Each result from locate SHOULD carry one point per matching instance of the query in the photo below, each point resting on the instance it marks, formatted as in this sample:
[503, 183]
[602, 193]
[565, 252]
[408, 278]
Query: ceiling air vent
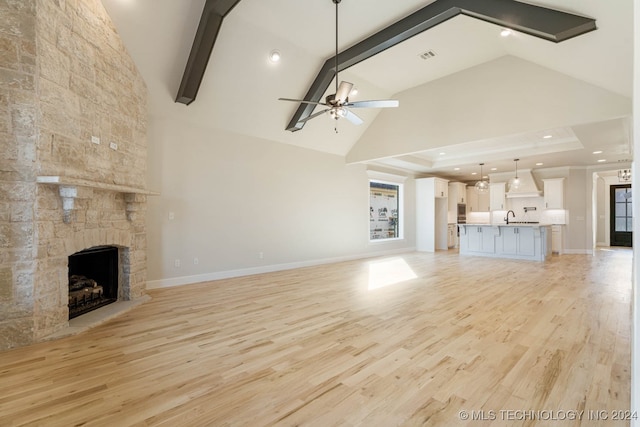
[428, 54]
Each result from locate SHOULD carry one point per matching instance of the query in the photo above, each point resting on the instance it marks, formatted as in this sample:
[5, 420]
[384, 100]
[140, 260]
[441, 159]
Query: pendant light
[514, 183]
[482, 186]
[624, 175]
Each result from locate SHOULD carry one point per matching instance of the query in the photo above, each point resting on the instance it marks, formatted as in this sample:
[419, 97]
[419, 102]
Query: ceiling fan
[338, 104]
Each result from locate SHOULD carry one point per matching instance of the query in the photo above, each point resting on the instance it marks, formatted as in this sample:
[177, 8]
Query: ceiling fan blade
[343, 92]
[352, 117]
[302, 101]
[383, 103]
[319, 113]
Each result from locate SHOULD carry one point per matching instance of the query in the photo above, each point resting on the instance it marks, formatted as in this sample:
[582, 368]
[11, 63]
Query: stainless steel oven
[462, 213]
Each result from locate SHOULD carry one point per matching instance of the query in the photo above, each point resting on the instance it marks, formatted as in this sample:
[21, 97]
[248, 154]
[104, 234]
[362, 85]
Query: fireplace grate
[85, 295]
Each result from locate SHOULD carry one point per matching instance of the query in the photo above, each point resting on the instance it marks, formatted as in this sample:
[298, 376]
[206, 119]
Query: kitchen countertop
[511, 224]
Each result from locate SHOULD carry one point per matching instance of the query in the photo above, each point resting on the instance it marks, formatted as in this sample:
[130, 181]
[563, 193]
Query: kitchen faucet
[507, 218]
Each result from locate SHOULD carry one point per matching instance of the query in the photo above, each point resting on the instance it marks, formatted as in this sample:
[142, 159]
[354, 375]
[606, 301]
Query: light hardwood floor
[326, 345]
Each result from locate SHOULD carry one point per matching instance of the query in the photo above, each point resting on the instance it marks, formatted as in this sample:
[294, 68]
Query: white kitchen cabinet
[497, 196]
[554, 193]
[526, 241]
[477, 202]
[472, 200]
[479, 239]
[517, 241]
[442, 187]
[556, 239]
[431, 215]
[452, 235]
[457, 193]
[484, 203]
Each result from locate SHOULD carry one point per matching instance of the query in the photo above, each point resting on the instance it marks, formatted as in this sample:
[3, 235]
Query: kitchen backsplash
[535, 212]
[479, 218]
[554, 216]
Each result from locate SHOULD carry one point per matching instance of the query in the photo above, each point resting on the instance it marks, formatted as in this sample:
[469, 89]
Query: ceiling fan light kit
[338, 104]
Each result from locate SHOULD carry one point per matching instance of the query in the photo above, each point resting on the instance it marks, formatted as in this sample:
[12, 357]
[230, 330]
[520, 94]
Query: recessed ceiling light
[548, 136]
[505, 32]
[597, 152]
[539, 164]
[474, 173]
[602, 160]
[353, 92]
[494, 169]
[442, 154]
[275, 56]
[456, 169]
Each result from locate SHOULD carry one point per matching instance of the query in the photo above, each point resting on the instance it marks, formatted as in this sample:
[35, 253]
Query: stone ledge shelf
[68, 189]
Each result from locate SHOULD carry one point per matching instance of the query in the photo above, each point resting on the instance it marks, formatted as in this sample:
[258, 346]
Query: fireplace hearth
[93, 279]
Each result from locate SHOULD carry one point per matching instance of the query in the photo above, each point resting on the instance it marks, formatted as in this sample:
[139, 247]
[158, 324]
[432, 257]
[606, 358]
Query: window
[385, 214]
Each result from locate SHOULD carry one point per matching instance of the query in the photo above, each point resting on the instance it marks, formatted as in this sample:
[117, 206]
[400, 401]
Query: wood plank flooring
[457, 341]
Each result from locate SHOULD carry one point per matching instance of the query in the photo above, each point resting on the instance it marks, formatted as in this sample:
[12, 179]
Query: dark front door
[621, 215]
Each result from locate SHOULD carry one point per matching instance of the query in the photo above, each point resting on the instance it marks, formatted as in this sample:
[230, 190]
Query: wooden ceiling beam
[213, 14]
[548, 24]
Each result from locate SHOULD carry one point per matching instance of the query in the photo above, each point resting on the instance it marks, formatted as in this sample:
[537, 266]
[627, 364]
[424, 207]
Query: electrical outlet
[113, 146]
[196, 261]
[176, 263]
[95, 140]
[172, 216]
[261, 255]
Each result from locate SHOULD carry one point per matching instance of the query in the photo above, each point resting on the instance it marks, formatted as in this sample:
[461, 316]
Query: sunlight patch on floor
[389, 272]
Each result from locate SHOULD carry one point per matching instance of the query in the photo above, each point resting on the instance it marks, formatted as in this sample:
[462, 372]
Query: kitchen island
[516, 240]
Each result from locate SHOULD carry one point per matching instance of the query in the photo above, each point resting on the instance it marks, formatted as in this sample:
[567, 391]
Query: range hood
[527, 188]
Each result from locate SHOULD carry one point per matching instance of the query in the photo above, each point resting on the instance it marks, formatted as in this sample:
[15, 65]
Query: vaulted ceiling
[480, 97]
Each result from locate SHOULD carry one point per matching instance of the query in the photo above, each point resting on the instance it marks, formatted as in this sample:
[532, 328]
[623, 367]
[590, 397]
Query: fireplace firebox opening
[93, 279]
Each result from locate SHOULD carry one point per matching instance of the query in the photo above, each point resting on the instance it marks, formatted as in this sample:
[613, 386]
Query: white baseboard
[578, 251]
[228, 274]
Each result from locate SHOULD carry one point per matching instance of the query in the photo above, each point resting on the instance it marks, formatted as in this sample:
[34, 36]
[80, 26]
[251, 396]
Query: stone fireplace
[73, 133]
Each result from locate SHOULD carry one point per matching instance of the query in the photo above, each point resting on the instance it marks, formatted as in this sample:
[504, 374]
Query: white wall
[602, 235]
[235, 197]
[578, 202]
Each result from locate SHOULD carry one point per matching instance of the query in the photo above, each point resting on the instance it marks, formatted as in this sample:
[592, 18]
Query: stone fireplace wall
[65, 77]
[18, 131]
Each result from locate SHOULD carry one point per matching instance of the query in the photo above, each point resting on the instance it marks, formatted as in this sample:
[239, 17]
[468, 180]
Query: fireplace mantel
[68, 189]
